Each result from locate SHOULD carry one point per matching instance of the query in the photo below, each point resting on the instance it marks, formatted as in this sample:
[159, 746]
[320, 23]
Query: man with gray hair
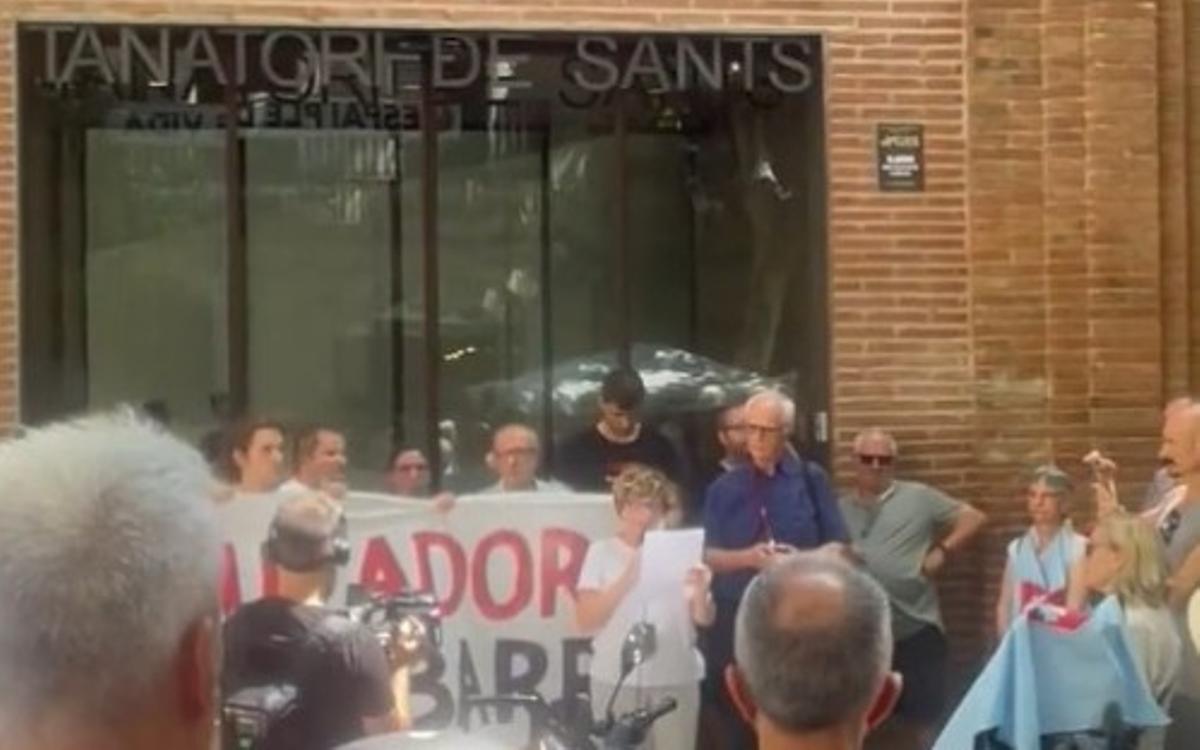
[774, 504]
[812, 652]
[904, 532]
[108, 589]
[514, 458]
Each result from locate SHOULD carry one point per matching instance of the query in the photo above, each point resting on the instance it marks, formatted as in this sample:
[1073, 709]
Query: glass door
[154, 273]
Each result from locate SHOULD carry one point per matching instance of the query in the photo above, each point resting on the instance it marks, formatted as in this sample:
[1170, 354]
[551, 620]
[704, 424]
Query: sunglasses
[1169, 526]
[869, 460]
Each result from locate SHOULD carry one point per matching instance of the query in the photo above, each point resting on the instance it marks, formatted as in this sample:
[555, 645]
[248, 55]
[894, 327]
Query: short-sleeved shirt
[588, 461]
[675, 661]
[744, 507]
[539, 485]
[339, 669]
[1180, 530]
[893, 535]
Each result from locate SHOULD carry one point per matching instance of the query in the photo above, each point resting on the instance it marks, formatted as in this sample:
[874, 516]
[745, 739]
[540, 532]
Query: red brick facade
[1032, 302]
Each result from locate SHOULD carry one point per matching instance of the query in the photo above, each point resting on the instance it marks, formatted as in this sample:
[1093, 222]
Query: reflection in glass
[155, 272]
[681, 227]
[319, 209]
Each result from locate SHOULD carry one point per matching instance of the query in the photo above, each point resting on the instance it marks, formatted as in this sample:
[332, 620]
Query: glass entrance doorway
[417, 237]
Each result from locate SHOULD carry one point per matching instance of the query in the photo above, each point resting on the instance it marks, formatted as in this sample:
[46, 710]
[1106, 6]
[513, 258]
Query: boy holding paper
[612, 597]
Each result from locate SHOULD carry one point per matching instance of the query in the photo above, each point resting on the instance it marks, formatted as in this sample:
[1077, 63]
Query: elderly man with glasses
[903, 532]
[514, 458]
[772, 505]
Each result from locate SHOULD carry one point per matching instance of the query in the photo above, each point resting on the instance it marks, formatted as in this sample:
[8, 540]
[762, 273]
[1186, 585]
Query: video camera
[406, 625]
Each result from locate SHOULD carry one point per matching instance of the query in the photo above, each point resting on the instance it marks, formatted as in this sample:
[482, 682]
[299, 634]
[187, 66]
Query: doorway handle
[821, 426]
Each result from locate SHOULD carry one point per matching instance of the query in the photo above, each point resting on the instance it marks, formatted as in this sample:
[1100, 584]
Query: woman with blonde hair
[1126, 560]
[644, 498]
[1040, 562]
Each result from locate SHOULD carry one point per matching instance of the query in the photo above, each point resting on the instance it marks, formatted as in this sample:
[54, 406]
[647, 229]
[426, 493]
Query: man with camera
[298, 674]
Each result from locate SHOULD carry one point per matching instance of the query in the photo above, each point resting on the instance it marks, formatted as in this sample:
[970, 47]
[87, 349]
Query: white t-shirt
[539, 485]
[675, 661]
[294, 486]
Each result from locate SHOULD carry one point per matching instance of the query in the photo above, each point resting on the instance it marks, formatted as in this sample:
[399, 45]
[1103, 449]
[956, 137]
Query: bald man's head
[1176, 405]
[813, 643]
[1180, 451]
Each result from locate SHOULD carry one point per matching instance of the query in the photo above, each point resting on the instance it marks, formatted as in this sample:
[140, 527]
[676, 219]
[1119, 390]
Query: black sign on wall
[900, 148]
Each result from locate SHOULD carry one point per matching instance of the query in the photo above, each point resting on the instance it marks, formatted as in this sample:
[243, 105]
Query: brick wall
[1070, 306]
[1028, 304]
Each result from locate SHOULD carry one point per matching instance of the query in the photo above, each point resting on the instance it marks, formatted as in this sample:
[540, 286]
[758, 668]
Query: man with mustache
[1164, 490]
[1179, 529]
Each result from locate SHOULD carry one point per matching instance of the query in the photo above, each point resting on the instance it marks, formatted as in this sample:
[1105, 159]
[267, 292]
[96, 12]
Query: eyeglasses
[763, 429]
[1170, 525]
[869, 460]
[517, 453]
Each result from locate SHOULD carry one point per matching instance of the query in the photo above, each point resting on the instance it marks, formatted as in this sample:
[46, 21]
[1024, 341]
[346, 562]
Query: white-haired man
[108, 589]
[1179, 529]
[904, 532]
[813, 646]
[1164, 491]
[514, 459]
[774, 504]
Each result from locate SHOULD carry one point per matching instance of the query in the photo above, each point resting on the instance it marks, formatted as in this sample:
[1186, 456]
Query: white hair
[784, 405]
[108, 554]
[524, 429]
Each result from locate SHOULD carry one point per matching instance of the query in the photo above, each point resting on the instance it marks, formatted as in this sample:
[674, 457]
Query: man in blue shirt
[775, 504]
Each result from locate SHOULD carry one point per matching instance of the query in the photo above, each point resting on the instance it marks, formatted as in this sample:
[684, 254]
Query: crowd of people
[812, 620]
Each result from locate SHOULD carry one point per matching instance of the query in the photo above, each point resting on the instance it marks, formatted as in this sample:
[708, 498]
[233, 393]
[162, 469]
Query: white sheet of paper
[667, 556]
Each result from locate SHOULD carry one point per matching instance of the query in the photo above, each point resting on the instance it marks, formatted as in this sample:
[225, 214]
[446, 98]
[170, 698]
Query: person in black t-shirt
[346, 686]
[589, 461]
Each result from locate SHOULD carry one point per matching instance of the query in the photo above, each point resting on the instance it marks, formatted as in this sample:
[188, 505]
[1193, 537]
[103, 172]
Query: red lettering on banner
[557, 573]
[423, 543]
[380, 571]
[522, 575]
[231, 588]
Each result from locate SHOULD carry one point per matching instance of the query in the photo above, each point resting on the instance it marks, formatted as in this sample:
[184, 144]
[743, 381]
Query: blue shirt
[744, 507]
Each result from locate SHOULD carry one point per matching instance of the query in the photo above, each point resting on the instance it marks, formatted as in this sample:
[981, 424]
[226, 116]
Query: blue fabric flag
[1047, 680]
[1044, 576]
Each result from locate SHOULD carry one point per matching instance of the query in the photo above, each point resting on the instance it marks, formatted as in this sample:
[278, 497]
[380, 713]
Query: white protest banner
[503, 567]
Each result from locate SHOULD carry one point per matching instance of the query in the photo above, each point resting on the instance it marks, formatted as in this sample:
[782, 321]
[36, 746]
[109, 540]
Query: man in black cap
[589, 461]
[343, 684]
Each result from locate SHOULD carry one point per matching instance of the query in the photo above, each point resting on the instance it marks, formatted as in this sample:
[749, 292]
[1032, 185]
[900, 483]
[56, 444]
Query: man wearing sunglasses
[903, 533]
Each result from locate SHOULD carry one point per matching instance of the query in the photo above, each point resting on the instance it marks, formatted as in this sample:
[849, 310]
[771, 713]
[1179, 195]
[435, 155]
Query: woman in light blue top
[1040, 561]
